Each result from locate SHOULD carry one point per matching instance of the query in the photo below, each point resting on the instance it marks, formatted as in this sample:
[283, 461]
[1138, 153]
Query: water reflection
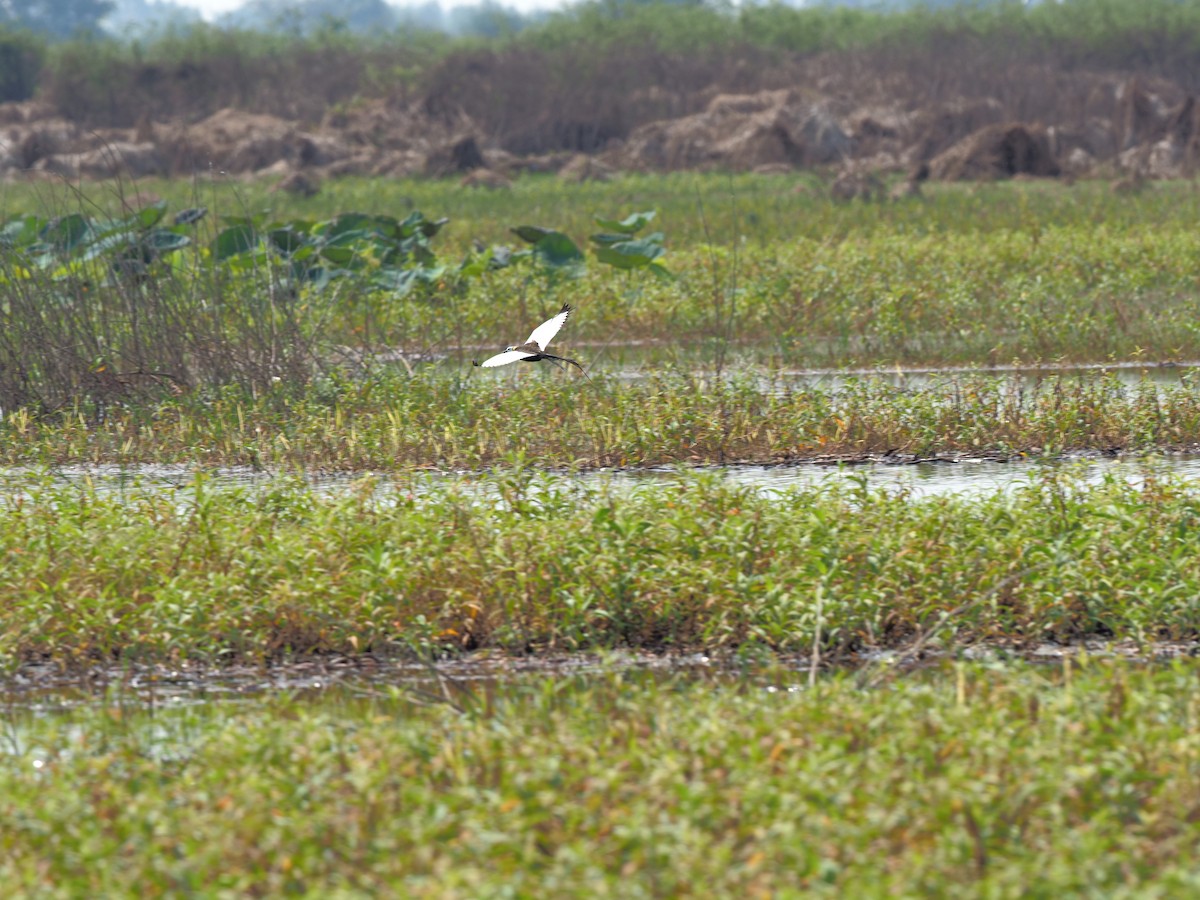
[965, 476]
[640, 363]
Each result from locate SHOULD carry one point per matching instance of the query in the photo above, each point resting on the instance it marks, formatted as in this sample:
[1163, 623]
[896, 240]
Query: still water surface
[36, 692]
[965, 476]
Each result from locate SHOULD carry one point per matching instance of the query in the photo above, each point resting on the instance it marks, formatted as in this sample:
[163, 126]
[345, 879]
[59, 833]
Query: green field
[1000, 780]
[396, 423]
[526, 563]
[286, 338]
[975, 276]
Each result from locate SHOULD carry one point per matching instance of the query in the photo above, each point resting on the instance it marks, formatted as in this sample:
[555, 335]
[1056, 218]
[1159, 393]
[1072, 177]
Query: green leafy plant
[556, 253]
[70, 246]
[394, 255]
[620, 247]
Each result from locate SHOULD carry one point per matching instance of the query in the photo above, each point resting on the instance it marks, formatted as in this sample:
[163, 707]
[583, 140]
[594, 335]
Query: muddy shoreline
[47, 681]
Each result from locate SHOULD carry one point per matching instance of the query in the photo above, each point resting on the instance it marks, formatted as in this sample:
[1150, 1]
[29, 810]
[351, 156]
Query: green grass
[1008, 780]
[973, 781]
[395, 423]
[525, 563]
[1028, 272]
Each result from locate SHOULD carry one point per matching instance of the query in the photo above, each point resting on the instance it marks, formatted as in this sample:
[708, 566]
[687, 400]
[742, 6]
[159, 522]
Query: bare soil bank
[850, 122]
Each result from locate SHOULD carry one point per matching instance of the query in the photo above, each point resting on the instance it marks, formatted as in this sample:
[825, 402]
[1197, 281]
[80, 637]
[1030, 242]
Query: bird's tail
[551, 356]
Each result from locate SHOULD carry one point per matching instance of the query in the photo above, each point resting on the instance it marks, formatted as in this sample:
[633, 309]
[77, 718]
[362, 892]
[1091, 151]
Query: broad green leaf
[341, 256]
[286, 240]
[245, 262]
[661, 271]
[22, 232]
[148, 216]
[607, 240]
[631, 224]
[254, 222]
[630, 254]
[114, 239]
[476, 264]
[411, 225]
[191, 216]
[532, 233]
[163, 240]
[387, 227]
[349, 225]
[557, 251]
[234, 241]
[398, 281]
[67, 232]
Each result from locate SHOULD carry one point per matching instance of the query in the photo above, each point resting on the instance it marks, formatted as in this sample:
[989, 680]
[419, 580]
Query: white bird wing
[503, 359]
[545, 332]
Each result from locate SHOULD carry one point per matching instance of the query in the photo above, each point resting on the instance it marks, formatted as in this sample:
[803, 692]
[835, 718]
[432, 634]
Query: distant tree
[427, 16]
[146, 18]
[309, 16]
[21, 57]
[56, 18]
[487, 19]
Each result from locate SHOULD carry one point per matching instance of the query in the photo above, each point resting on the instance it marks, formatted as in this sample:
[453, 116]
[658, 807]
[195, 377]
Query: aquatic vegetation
[394, 422]
[527, 563]
[1035, 273]
[1011, 780]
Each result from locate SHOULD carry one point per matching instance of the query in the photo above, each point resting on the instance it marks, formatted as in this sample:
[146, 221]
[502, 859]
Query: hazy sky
[211, 8]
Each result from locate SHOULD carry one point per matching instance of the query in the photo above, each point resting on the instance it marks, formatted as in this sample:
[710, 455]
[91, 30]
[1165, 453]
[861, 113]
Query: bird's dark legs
[557, 361]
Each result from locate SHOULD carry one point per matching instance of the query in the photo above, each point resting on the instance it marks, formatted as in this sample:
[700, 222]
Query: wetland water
[637, 363]
[45, 691]
[172, 694]
[922, 478]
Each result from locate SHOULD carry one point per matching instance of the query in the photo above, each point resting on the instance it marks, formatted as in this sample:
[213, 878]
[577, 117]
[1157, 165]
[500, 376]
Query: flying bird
[534, 349]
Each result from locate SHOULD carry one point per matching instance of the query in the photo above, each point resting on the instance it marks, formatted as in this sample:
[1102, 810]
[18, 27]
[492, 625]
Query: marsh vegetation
[983, 778]
[291, 336]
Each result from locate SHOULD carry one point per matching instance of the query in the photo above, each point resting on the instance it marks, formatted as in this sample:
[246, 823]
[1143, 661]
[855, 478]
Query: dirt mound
[25, 112]
[376, 140]
[455, 158]
[582, 167]
[738, 132]
[1140, 115]
[382, 125]
[879, 130]
[229, 140]
[856, 184]
[938, 128]
[996, 152]
[910, 187]
[485, 178]
[299, 184]
[48, 137]
[1106, 123]
[548, 163]
[122, 160]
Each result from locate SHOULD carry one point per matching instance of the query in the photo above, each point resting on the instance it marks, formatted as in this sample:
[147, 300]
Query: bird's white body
[503, 359]
[534, 349]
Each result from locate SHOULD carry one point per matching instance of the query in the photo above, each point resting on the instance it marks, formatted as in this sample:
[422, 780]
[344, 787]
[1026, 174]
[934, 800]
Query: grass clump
[117, 308]
[396, 423]
[1006, 782]
[529, 564]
